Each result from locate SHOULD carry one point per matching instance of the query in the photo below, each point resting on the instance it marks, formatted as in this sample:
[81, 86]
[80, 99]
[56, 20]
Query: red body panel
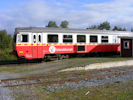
[38, 51]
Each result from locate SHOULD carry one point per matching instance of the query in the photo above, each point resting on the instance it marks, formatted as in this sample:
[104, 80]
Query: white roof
[68, 30]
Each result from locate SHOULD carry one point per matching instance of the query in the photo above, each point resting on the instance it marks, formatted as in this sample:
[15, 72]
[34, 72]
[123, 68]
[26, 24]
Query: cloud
[39, 12]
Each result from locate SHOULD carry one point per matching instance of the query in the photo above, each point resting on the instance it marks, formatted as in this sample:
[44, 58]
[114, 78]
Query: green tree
[124, 29]
[52, 24]
[132, 30]
[5, 40]
[105, 25]
[64, 24]
[120, 29]
[115, 28]
[92, 27]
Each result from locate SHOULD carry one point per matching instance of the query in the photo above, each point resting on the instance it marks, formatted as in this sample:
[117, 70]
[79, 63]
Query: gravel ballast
[91, 82]
[5, 93]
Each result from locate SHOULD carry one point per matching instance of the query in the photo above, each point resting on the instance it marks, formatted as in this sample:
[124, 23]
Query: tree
[92, 27]
[115, 28]
[124, 29]
[120, 29]
[52, 24]
[64, 24]
[5, 40]
[132, 30]
[105, 25]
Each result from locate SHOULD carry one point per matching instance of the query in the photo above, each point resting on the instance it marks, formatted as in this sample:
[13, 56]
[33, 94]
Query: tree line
[106, 25]
[6, 40]
[64, 24]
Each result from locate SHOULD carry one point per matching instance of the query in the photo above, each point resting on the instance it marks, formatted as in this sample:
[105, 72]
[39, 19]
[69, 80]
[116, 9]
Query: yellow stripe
[73, 43]
[52, 43]
[22, 44]
[83, 44]
[81, 51]
[57, 44]
[78, 43]
[63, 43]
[20, 51]
[39, 44]
[34, 44]
[28, 44]
[68, 43]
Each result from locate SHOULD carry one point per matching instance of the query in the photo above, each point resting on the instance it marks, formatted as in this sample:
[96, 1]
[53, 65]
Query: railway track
[62, 78]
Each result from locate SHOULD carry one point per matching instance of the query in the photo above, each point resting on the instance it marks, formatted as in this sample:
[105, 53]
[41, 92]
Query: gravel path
[5, 93]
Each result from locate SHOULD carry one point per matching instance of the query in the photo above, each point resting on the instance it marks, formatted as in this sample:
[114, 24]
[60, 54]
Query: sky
[80, 14]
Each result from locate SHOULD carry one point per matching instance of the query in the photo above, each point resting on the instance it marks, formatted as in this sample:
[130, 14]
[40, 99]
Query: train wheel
[60, 57]
[67, 56]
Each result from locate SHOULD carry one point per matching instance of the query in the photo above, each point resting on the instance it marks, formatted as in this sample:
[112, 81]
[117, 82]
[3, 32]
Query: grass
[5, 55]
[115, 91]
[67, 63]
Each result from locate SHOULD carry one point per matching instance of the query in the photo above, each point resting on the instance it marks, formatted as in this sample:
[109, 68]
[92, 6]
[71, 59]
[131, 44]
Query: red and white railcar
[38, 43]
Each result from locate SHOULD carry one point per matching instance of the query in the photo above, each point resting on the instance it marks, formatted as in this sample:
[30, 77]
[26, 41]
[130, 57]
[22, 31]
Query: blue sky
[79, 13]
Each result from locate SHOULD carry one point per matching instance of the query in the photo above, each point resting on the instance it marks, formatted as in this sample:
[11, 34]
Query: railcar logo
[52, 49]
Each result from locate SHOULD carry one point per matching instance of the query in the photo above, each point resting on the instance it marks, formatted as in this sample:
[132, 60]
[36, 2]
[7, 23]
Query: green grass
[5, 55]
[68, 63]
[16, 70]
[115, 91]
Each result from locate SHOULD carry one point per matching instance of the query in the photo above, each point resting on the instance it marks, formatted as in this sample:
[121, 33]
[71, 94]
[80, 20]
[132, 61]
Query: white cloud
[39, 13]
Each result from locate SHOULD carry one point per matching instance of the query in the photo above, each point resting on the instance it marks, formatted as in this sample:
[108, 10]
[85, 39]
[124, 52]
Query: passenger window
[34, 40]
[81, 38]
[24, 38]
[39, 38]
[34, 36]
[52, 38]
[93, 39]
[104, 39]
[67, 38]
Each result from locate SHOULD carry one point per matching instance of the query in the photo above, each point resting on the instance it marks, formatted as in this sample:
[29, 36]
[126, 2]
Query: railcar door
[34, 47]
[40, 45]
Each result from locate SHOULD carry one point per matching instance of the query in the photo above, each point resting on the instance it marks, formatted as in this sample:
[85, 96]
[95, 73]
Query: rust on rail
[71, 80]
[65, 74]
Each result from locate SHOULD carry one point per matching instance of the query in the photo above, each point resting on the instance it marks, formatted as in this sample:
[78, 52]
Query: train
[45, 43]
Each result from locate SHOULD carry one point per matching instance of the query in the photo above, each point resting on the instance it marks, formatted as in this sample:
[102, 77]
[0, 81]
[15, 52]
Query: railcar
[43, 43]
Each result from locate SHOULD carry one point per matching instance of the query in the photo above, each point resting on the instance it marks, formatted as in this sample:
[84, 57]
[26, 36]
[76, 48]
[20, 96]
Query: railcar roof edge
[69, 30]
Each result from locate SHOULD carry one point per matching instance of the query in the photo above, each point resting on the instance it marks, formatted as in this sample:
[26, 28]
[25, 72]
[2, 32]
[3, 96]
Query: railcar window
[93, 38]
[81, 38]
[104, 39]
[34, 40]
[24, 38]
[39, 38]
[67, 38]
[114, 39]
[53, 38]
[126, 44]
